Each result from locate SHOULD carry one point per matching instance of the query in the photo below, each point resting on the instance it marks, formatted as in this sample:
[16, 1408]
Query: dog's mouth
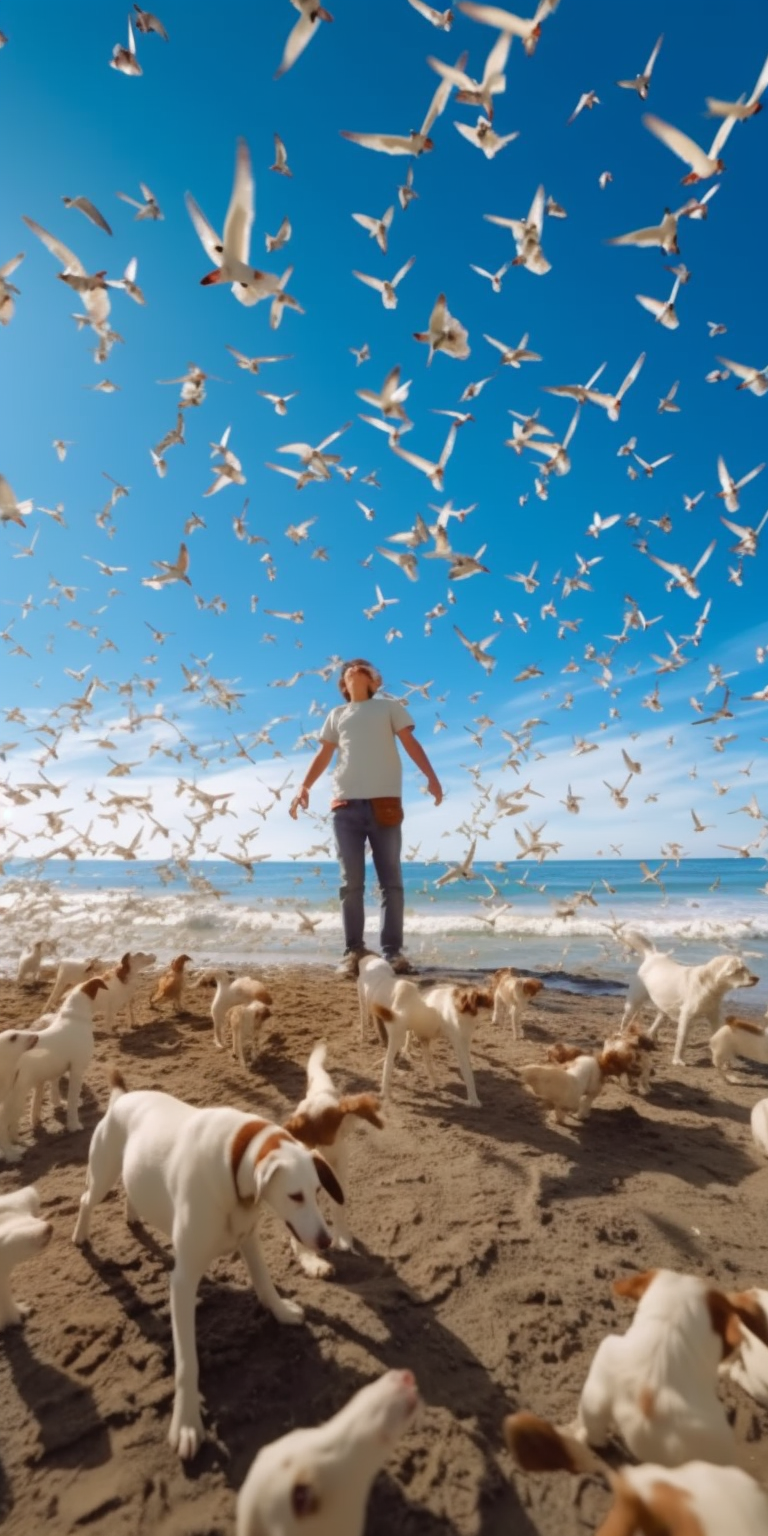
[751, 980]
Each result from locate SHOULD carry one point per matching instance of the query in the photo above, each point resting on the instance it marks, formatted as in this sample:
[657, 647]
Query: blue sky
[81, 128]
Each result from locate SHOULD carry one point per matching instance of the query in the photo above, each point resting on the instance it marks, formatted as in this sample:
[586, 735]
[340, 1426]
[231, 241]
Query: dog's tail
[537, 1446]
[316, 1061]
[365, 1105]
[638, 942]
[381, 1017]
[117, 1083]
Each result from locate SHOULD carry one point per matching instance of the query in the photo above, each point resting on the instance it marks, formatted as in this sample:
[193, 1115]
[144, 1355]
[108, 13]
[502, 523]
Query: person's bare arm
[317, 767]
[418, 756]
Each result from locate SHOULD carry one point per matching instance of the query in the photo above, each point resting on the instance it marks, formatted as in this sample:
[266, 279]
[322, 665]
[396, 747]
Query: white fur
[681, 993]
[14, 1043]
[65, 1044]
[69, 974]
[123, 982]
[28, 973]
[228, 993]
[567, 1088]
[428, 1015]
[247, 1021]
[316, 1482]
[375, 984]
[22, 1235]
[733, 1040]
[177, 1169]
[759, 1123]
[749, 1365]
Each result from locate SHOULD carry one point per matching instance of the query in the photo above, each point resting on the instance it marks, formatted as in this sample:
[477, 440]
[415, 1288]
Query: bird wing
[240, 213]
[296, 42]
[686, 149]
[723, 476]
[721, 137]
[56, 247]
[641, 237]
[385, 143]
[648, 71]
[654, 307]
[206, 234]
[372, 282]
[536, 211]
[425, 465]
[704, 558]
[403, 271]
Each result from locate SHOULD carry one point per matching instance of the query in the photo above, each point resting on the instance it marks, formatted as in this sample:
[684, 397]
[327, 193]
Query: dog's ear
[725, 1320]
[750, 1312]
[90, 988]
[465, 999]
[365, 1105]
[634, 1286]
[531, 986]
[328, 1178]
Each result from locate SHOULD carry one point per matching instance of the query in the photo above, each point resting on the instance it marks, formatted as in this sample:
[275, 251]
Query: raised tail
[538, 1446]
[365, 1105]
[117, 1083]
[638, 942]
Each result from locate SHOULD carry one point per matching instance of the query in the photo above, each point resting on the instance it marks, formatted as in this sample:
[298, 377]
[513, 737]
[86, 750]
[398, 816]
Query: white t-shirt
[368, 762]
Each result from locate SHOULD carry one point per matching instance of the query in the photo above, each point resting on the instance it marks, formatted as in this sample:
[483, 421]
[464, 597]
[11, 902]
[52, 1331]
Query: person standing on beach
[367, 804]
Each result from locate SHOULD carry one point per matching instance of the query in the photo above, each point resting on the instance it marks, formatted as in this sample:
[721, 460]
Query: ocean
[103, 907]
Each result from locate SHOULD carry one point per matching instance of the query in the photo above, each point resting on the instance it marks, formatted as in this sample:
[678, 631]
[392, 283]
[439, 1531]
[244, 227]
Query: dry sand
[487, 1242]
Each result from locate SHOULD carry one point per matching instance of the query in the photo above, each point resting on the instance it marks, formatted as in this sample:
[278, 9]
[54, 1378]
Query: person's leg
[349, 829]
[386, 844]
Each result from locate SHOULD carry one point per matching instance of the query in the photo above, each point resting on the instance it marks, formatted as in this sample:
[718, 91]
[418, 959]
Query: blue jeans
[354, 824]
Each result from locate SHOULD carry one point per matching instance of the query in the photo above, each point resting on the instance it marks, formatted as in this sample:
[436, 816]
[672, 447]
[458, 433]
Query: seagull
[740, 110]
[572, 802]
[146, 23]
[7, 290]
[316, 460]
[484, 137]
[478, 93]
[494, 278]
[702, 165]
[92, 289]
[478, 649]
[664, 312]
[753, 379]
[554, 454]
[612, 403]
[527, 29]
[445, 333]
[641, 83]
[390, 397]
[11, 510]
[699, 826]
[648, 469]
[253, 364]
[747, 537]
[651, 876]
[377, 228]
[84, 205]
[587, 99]
[169, 571]
[514, 357]
[578, 392]
[730, 487]
[124, 59]
[230, 255]
[280, 402]
[681, 576]
[526, 234]
[433, 471]
[386, 289]
[302, 32]
[600, 524]
[412, 143]
[149, 209]
[668, 402]
[529, 581]
[462, 871]
[663, 235]
[281, 157]
[441, 19]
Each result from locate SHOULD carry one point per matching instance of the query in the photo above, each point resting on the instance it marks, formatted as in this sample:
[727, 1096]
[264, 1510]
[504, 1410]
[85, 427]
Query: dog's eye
[298, 1199]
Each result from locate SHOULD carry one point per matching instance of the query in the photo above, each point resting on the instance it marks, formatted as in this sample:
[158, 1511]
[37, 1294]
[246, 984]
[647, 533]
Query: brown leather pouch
[388, 810]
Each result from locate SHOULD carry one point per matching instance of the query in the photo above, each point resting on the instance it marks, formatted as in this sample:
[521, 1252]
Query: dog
[30, 962]
[375, 984]
[13, 1045]
[749, 1364]
[736, 1037]
[122, 984]
[510, 995]
[200, 1175]
[170, 987]
[681, 993]
[318, 1480]
[244, 989]
[69, 974]
[759, 1124]
[65, 1044]
[324, 1123]
[656, 1385]
[247, 1020]
[694, 1499]
[629, 1057]
[22, 1235]
[567, 1088]
[446, 1011]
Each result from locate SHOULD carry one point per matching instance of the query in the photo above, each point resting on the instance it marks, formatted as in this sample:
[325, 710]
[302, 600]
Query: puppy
[446, 1011]
[629, 1057]
[28, 972]
[318, 1480]
[375, 984]
[681, 993]
[170, 987]
[200, 1175]
[568, 1089]
[692, 1500]
[656, 1385]
[122, 984]
[324, 1122]
[69, 974]
[244, 989]
[247, 1020]
[510, 995]
[22, 1235]
[13, 1045]
[749, 1364]
[738, 1038]
[759, 1123]
[63, 1045]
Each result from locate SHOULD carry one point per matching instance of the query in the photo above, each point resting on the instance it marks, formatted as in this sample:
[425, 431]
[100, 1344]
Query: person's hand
[301, 799]
[434, 788]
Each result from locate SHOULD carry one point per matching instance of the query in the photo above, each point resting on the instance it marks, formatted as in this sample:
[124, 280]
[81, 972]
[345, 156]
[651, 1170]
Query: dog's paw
[75, 1125]
[474, 1103]
[11, 1153]
[343, 1244]
[186, 1433]
[315, 1267]
[288, 1311]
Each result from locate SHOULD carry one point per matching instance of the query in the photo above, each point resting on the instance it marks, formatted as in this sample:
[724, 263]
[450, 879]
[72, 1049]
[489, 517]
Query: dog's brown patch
[724, 1318]
[647, 1402]
[634, 1286]
[242, 1140]
[273, 1143]
[90, 988]
[123, 970]
[561, 1053]
[321, 1130]
[532, 987]
[750, 1029]
[469, 999]
[116, 1080]
[379, 1011]
[749, 1310]
[670, 1514]
[632, 1516]
[619, 1061]
[536, 1445]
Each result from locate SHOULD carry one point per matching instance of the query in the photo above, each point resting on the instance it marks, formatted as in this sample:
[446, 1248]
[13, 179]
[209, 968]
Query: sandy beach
[486, 1244]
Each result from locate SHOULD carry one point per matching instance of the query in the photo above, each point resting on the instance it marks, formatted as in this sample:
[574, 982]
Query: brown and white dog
[199, 1176]
[569, 1085]
[738, 1037]
[511, 993]
[324, 1122]
[694, 1499]
[681, 993]
[69, 974]
[629, 1057]
[229, 992]
[64, 1044]
[449, 1012]
[246, 1022]
[170, 987]
[749, 1364]
[22, 1235]
[122, 984]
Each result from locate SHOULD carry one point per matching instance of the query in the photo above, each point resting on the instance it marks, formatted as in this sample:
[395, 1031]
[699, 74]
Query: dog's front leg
[465, 1067]
[186, 1432]
[339, 1161]
[653, 1029]
[394, 1039]
[11, 1153]
[73, 1099]
[683, 1025]
[284, 1311]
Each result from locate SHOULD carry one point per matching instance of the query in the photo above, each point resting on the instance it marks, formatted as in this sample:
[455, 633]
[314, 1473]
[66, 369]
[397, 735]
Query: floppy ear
[465, 999]
[90, 988]
[749, 1310]
[328, 1178]
[634, 1286]
[725, 1320]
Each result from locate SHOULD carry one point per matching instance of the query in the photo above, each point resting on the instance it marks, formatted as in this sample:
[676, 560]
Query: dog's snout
[753, 980]
[324, 1239]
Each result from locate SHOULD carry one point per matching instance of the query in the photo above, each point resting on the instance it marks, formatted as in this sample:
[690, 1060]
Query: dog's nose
[324, 1239]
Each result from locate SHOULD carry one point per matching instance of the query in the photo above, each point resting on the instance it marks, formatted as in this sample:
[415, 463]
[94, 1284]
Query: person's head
[360, 669]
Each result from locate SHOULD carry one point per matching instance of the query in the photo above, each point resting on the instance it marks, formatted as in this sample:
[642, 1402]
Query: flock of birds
[110, 708]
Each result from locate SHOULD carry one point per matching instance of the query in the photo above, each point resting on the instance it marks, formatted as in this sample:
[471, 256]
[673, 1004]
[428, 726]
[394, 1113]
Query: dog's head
[471, 999]
[505, 974]
[302, 1483]
[731, 972]
[711, 1320]
[179, 963]
[321, 1129]
[269, 1164]
[13, 1044]
[21, 1237]
[561, 1053]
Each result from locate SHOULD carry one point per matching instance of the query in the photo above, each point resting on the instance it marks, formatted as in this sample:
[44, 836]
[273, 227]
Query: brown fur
[241, 1142]
[470, 999]
[631, 1516]
[123, 970]
[634, 1286]
[750, 1312]
[179, 963]
[647, 1402]
[532, 986]
[561, 1053]
[328, 1178]
[536, 1445]
[504, 974]
[116, 1080]
[272, 1143]
[321, 1130]
[620, 1061]
[725, 1320]
[751, 1029]
[90, 988]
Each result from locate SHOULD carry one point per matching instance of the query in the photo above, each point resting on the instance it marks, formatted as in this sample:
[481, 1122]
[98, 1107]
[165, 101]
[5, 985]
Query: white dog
[122, 984]
[247, 1021]
[22, 1235]
[510, 995]
[657, 1383]
[324, 1122]
[316, 1482]
[759, 1123]
[738, 1038]
[691, 1500]
[13, 1045]
[567, 1088]
[199, 1176]
[228, 993]
[69, 974]
[28, 973]
[445, 1011]
[682, 993]
[375, 984]
[63, 1045]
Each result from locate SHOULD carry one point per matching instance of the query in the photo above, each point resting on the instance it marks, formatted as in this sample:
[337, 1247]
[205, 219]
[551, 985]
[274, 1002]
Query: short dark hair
[358, 661]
